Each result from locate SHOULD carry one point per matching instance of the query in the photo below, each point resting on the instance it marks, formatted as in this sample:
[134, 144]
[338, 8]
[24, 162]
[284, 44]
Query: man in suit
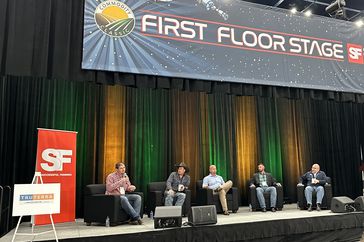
[265, 182]
[315, 180]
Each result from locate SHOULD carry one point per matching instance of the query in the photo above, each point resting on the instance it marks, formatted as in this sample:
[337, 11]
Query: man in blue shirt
[217, 184]
[315, 180]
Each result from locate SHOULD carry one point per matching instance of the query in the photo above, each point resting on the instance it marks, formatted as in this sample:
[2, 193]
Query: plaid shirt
[263, 180]
[114, 181]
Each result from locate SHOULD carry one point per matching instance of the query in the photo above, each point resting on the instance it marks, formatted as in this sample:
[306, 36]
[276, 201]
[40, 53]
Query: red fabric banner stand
[56, 161]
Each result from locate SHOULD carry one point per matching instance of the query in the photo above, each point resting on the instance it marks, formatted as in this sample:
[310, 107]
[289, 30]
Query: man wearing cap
[217, 184]
[117, 183]
[176, 185]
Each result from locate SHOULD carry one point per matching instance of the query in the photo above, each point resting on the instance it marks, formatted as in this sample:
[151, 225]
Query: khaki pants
[222, 194]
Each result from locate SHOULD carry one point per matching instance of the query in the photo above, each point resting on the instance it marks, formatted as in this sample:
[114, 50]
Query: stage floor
[78, 229]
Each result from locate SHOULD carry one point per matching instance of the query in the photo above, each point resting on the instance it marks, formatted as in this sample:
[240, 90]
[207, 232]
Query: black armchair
[207, 197]
[98, 206]
[326, 201]
[253, 199]
[156, 197]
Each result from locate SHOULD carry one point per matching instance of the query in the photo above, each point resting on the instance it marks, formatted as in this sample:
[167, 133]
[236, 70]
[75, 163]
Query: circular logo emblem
[114, 18]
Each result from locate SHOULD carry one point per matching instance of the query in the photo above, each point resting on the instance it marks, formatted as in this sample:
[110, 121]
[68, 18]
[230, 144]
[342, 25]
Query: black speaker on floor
[168, 217]
[202, 215]
[359, 203]
[342, 205]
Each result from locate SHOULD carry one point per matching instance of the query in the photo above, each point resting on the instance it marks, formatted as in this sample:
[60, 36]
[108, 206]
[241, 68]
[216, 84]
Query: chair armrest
[155, 199]
[108, 203]
[201, 196]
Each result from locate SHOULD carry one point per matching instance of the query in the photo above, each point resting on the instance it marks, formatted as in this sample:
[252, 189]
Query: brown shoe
[226, 213]
[140, 222]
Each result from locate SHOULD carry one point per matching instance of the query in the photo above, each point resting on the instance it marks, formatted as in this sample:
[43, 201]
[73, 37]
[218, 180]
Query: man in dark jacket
[176, 185]
[265, 182]
[315, 180]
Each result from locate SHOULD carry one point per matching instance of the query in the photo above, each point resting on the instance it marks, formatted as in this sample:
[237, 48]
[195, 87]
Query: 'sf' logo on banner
[355, 53]
[55, 159]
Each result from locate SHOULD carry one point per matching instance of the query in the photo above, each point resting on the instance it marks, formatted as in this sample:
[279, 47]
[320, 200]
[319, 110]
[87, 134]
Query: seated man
[265, 182]
[216, 183]
[176, 185]
[315, 180]
[117, 183]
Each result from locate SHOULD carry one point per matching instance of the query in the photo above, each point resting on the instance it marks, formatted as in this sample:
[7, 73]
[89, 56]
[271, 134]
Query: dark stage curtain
[153, 129]
[30, 103]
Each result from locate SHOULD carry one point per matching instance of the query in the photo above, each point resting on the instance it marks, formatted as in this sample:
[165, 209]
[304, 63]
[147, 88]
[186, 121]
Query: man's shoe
[273, 210]
[318, 208]
[140, 222]
[133, 222]
[226, 213]
[264, 210]
[309, 208]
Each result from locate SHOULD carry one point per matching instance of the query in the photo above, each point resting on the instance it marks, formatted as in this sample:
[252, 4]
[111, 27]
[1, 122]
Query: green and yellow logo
[114, 18]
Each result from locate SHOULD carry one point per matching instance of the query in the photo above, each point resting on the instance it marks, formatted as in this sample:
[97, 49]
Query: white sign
[36, 199]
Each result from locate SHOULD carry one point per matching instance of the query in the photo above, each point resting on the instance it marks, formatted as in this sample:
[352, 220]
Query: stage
[290, 224]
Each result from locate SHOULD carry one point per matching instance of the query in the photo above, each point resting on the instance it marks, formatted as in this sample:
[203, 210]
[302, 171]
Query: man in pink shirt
[117, 183]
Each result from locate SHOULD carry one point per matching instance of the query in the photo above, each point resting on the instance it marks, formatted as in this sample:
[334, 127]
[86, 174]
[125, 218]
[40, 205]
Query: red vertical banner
[56, 161]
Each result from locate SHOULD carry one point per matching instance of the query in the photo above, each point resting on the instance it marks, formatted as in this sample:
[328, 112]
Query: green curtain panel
[152, 129]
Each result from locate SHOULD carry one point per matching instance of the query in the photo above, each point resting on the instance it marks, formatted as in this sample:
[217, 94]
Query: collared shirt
[307, 178]
[212, 182]
[263, 180]
[174, 180]
[116, 180]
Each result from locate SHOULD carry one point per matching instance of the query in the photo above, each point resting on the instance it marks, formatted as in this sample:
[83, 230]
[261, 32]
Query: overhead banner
[56, 161]
[232, 41]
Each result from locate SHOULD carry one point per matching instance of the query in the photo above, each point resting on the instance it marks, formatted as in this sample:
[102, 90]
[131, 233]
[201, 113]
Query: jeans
[319, 193]
[273, 196]
[131, 204]
[179, 197]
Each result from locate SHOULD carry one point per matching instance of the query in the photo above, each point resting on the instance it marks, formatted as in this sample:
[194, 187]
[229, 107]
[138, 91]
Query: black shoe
[273, 210]
[264, 210]
[309, 208]
[133, 222]
[318, 208]
[226, 213]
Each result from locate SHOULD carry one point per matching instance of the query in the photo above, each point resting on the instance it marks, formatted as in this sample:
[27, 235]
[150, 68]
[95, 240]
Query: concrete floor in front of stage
[79, 229]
